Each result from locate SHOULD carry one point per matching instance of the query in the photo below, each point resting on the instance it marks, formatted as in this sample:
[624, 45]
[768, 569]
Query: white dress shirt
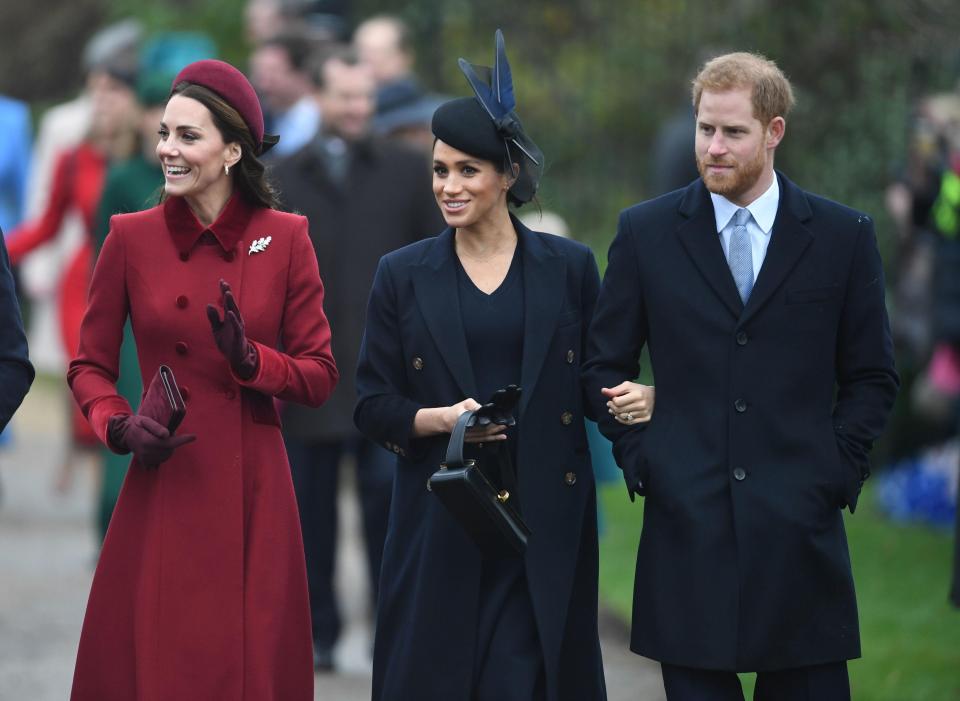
[763, 211]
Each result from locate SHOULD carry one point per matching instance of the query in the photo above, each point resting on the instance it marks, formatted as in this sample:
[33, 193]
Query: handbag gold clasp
[503, 496]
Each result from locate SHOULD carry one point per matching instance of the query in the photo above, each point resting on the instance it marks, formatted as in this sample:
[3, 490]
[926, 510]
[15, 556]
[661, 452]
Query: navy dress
[508, 661]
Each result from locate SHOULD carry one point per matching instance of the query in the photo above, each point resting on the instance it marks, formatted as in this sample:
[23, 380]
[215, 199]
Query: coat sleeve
[16, 372]
[589, 289]
[32, 235]
[304, 372]
[867, 382]
[93, 373]
[384, 413]
[618, 332]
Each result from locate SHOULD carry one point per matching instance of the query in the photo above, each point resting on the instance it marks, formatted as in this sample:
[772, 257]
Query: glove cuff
[246, 366]
[117, 433]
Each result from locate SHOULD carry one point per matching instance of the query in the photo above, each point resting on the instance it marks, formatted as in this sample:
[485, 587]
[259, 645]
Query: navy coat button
[182, 301]
[739, 474]
[566, 418]
[570, 356]
[181, 347]
[740, 405]
[184, 256]
[396, 449]
[418, 363]
[742, 338]
[570, 478]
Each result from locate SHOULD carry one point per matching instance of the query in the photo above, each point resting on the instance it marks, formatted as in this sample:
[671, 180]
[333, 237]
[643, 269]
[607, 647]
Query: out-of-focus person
[364, 197]
[76, 188]
[15, 145]
[404, 108]
[200, 590]
[280, 72]
[61, 128]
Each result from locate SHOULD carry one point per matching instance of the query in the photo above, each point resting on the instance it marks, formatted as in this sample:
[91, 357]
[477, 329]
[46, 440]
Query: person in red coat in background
[201, 590]
[76, 187]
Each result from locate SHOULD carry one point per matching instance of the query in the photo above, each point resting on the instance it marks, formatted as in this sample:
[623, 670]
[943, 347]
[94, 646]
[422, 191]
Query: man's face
[280, 85]
[734, 150]
[378, 46]
[347, 99]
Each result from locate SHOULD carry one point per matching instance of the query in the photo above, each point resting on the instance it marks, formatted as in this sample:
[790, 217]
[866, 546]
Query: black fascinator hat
[486, 125]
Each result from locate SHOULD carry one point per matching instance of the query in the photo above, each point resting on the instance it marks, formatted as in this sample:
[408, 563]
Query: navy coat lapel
[544, 287]
[699, 236]
[436, 291]
[789, 239]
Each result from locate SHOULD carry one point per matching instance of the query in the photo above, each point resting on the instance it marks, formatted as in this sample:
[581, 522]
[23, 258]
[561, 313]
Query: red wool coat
[200, 591]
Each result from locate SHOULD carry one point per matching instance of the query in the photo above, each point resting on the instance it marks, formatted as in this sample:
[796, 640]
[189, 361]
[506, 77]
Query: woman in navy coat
[486, 303]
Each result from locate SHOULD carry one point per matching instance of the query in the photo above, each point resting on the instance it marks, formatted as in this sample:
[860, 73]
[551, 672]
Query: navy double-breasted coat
[414, 354]
[764, 420]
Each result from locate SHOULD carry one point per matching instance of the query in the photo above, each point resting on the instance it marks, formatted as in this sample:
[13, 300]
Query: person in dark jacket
[16, 372]
[363, 197]
[452, 319]
[763, 309]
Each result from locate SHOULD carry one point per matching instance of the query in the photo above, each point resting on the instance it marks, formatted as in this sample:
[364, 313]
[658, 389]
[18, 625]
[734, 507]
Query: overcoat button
[739, 474]
[181, 348]
[742, 338]
[396, 449]
[184, 256]
[182, 301]
[185, 393]
[418, 363]
[570, 356]
[570, 478]
[740, 405]
[566, 418]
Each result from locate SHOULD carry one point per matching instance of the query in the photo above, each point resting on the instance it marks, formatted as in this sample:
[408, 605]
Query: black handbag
[483, 511]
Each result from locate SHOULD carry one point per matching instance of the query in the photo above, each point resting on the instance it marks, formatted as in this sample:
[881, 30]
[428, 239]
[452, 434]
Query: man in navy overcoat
[16, 372]
[762, 307]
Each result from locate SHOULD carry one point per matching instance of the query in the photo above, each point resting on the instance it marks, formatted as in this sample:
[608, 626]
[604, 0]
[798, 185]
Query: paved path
[47, 552]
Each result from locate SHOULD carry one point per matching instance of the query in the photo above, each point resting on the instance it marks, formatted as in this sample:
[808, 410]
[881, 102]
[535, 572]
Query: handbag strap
[454, 457]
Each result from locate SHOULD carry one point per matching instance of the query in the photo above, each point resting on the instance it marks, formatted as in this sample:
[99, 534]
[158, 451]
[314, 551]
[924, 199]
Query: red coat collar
[185, 229]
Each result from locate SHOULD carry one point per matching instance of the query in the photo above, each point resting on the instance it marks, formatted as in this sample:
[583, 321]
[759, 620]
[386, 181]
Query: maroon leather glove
[229, 335]
[148, 440]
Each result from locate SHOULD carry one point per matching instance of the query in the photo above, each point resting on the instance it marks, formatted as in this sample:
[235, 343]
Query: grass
[910, 635]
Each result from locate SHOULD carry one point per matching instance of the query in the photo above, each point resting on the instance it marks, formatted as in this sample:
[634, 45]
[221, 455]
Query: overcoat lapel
[699, 237]
[544, 283]
[788, 240]
[436, 292]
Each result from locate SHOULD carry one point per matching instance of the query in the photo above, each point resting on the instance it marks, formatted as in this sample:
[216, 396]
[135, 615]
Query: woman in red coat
[201, 592]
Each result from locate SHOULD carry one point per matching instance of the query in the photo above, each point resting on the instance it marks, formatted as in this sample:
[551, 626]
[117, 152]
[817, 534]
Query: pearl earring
[226, 169]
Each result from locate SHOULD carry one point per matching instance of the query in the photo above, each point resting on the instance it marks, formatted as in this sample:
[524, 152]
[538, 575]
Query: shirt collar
[763, 209]
[185, 228]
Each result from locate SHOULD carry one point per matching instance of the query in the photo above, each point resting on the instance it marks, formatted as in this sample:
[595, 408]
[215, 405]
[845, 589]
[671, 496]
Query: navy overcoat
[764, 420]
[414, 354]
[16, 372]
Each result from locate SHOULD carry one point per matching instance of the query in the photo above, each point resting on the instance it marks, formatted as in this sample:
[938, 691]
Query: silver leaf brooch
[259, 245]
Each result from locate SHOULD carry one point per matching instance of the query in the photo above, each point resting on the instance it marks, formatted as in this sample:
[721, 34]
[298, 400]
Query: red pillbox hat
[230, 84]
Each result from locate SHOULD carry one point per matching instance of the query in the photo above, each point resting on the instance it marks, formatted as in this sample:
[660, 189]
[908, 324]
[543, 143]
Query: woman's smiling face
[467, 189]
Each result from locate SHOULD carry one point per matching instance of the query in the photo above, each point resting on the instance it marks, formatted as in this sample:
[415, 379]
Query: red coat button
[181, 348]
[184, 256]
[182, 301]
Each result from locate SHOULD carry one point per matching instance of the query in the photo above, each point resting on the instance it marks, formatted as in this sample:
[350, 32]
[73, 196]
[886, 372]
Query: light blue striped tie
[739, 257]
